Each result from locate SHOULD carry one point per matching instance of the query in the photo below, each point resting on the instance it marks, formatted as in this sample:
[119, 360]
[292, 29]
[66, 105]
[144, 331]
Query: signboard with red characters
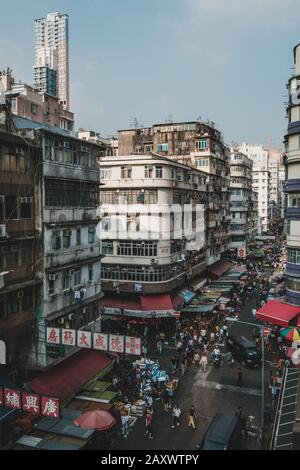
[31, 403]
[133, 345]
[12, 398]
[100, 341]
[116, 343]
[68, 337]
[241, 252]
[50, 407]
[1, 397]
[53, 335]
[84, 339]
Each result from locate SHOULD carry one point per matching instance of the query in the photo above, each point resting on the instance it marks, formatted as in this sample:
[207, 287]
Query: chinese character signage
[12, 398]
[53, 335]
[100, 341]
[68, 337]
[61, 337]
[50, 407]
[84, 339]
[31, 403]
[132, 345]
[116, 343]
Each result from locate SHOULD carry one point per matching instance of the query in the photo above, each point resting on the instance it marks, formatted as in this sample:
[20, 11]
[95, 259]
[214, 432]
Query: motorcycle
[217, 360]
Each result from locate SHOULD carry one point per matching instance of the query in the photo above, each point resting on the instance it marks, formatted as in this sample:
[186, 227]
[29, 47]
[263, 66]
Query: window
[51, 287]
[66, 280]
[33, 108]
[56, 240]
[294, 200]
[26, 254]
[77, 277]
[201, 144]
[13, 303]
[149, 171]
[64, 193]
[293, 283]
[91, 235]
[105, 174]
[132, 248]
[12, 256]
[91, 274]
[293, 256]
[25, 207]
[158, 171]
[11, 207]
[107, 248]
[126, 172]
[78, 236]
[67, 238]
[162, 147]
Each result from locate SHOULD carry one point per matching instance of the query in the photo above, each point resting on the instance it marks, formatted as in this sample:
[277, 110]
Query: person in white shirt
[203, 363]
[176, 412]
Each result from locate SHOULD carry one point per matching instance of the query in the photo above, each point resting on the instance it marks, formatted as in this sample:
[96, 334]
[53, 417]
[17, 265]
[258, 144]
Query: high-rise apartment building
[243, 211]
[293, 186]
[51, 69]
[199, 145]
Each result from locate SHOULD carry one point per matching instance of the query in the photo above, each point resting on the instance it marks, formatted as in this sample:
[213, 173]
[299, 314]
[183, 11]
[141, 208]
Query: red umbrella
[97, 419]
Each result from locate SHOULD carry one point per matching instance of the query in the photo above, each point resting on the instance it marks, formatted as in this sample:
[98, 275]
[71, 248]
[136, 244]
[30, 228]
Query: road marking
[227, 388]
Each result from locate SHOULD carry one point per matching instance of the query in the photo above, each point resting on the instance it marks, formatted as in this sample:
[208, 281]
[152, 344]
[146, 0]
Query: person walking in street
[159, 346]
[176, 412]
[182, 367]
[148, 425]
[239, 379]
[173, 364]
[203, 362]
[191, 417]
[166, 400]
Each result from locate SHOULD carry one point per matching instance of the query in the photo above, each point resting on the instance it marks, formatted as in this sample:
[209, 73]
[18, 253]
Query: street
[212, 392]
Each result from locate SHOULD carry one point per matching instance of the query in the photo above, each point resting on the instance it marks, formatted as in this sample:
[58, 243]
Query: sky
[223, 60]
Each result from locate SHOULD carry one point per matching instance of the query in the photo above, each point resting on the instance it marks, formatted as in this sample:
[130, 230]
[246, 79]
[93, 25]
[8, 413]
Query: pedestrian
[191, 417]
[173, 364]
[238, 412]
[148, 425]
[203, 362]
[125, 424]
[166, 400]
[159, 346]
[239, 380]
[196, 358]
[176, 414]
[182, 367]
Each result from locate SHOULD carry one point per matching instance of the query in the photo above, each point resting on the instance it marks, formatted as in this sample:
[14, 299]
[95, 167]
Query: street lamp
[261, 328]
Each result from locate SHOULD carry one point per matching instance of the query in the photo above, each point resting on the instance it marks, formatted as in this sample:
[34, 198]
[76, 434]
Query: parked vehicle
[244, 351]
[217, 360]
[224, 433]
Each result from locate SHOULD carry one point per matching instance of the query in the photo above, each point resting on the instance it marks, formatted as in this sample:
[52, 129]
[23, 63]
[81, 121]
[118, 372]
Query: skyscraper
[51, 69]
[293, 186]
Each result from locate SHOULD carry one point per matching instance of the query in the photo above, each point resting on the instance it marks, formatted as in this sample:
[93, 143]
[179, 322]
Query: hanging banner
[84, 339]
[116, 343]
[241, 252]
[100, 341]
[2, 352]
[53, 335]
[132, 345]
[31, 403]
[50, 407]
[12, 398]
[68, 337]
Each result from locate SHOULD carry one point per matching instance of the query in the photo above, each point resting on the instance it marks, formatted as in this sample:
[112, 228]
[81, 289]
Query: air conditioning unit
[19, 151]
[83, 149]
[154, 261]
[84, 310]
[20, 294]
[3, 232]
[61, 321]
[71, 316]
[53, 277]
[66, 145]
[115, 284]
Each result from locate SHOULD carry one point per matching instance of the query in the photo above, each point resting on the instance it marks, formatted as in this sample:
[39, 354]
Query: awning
[278, 313]
[219, 268]
[6, 413]
[177, 301]
[187, 295]
[69, 376]
[204, 308]
[120, 303]
[156, 302]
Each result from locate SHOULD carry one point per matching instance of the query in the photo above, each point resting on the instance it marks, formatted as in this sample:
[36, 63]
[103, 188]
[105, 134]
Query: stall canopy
[204, 308]
[69, 376]
[278, 313]
[219, 268]
[156, 302]
[187, 295]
